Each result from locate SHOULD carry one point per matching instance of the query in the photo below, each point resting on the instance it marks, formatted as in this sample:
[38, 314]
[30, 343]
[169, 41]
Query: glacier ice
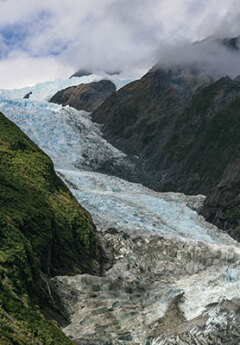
[171, 270]
[114, 202]
[68, 136]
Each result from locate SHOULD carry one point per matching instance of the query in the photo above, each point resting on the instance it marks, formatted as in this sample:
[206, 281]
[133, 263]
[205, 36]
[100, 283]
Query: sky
[49, 39]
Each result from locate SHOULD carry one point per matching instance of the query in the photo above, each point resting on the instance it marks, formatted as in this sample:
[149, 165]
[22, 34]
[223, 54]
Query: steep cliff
[184, 129]
[222, 205]
[43, 232]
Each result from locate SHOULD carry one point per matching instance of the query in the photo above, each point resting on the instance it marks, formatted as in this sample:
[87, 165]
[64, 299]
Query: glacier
[163, 250]
[44, 91]
[68, 136]
[174, 278]
[134, 208]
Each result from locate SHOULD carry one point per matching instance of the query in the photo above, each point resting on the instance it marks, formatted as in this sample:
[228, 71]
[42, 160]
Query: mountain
[183, 129]
[172, 278]
[81, 73]
[85, 96]
[232, 43]
[86, 72]
[222, 205]
[44, 232]
[174, 119]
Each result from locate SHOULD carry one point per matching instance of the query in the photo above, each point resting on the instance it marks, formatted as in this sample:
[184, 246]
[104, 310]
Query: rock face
[183, 129]
[222, 205]
[43, 232]
[85, 96]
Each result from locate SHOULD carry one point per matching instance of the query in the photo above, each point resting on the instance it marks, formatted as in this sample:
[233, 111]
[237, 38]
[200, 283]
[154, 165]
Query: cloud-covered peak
[215, 57]
[102, 35]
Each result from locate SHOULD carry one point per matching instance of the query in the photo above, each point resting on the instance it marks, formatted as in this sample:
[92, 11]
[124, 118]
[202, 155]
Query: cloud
[22, 70]
[213, 57]
[106, 34]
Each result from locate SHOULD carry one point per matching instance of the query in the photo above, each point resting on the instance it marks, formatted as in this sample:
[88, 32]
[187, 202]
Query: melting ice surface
[133, 207]
[207, 258]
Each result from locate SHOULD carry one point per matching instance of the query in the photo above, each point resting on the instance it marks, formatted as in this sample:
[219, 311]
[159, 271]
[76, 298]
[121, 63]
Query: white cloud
[21, 70]
[115, 34]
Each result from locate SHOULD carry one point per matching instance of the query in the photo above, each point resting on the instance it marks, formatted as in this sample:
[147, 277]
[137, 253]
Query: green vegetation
[43, 232]
[183, 128]
[207, 134]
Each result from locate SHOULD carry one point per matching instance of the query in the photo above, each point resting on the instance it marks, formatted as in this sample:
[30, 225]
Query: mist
[213, 56]
[52, 39]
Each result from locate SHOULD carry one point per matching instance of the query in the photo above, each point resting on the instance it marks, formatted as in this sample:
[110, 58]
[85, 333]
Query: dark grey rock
[81, 73]
[27, 96]
[183, 129]
[85, 96]
[222, 205]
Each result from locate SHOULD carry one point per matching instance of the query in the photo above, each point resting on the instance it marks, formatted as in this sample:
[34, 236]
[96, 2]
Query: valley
[170, 277]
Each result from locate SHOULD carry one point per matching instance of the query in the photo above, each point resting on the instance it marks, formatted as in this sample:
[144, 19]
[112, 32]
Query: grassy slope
[43, 232]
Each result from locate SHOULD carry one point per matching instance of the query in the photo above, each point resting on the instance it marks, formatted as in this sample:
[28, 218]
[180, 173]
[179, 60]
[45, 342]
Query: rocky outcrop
[85, 96]
[43, 232]
[232, 43]
[183, 129]
[81, 73]
[27, 96]
[86, 72]
[222, 205]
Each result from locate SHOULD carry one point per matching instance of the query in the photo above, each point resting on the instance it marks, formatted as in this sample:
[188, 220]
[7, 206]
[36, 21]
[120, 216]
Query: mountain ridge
[85, 96]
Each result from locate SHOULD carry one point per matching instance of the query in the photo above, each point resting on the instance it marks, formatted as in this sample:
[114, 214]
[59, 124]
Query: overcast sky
[48, 39]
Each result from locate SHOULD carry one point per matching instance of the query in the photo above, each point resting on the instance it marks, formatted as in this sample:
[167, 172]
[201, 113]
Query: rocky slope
[43, 232]
[85, 96]
[184, 130]
[222, 205]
